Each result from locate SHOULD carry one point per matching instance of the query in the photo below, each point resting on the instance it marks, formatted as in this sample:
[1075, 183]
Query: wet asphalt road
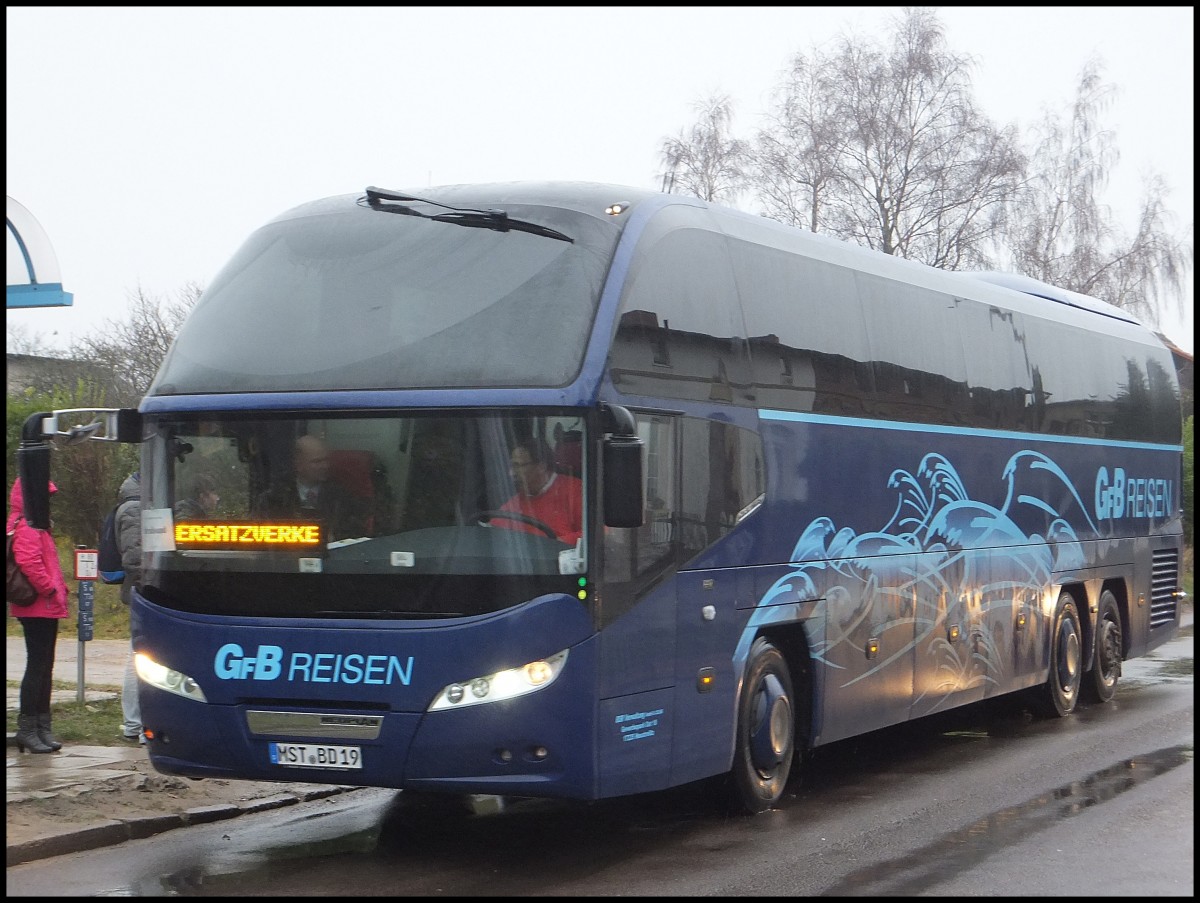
[1101, 803]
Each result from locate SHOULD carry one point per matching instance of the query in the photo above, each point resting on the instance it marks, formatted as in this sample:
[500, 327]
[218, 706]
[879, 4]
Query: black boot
[43, 732]
[27, 735]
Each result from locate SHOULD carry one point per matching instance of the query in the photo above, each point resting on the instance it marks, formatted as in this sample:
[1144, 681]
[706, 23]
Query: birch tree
[706, 160]
[1061, 232]
[795, 156]
[884, 146]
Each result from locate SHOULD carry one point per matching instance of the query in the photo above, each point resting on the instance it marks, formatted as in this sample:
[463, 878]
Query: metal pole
[85, 573]
[79, 694]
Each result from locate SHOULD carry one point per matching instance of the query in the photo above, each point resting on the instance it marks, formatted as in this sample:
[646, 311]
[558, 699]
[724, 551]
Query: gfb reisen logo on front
[273, 663]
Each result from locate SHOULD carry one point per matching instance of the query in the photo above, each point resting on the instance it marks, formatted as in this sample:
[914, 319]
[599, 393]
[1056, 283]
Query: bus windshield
[355, 298]
[418, 515]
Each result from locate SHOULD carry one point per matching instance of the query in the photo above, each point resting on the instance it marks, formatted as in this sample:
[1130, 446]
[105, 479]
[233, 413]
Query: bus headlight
[167, 678]
[501, 685]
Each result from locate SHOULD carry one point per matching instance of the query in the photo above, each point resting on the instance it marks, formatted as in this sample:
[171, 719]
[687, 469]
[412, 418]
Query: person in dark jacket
[35, 551]
[129, 542]
[308, 492]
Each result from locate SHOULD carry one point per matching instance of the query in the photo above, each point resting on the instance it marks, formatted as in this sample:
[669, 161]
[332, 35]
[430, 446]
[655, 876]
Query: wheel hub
[771, 731]
[1070, 655]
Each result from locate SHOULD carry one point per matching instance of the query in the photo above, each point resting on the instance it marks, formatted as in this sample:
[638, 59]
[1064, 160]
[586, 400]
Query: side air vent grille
[1164, 580]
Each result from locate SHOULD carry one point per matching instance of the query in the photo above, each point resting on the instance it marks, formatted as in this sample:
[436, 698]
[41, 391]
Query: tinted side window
[807, 344]
[920, 373]
[723, 479]
[1096, 385]
[680, 332]
[998, 375]
[1162, 398]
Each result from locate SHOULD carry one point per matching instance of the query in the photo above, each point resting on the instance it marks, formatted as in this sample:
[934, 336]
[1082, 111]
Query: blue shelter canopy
[33, 277]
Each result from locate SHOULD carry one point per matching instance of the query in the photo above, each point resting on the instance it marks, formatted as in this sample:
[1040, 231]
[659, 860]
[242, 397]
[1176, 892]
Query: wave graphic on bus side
[942, 559]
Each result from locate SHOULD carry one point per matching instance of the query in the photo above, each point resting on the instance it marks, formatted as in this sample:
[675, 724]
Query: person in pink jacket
[35, 552]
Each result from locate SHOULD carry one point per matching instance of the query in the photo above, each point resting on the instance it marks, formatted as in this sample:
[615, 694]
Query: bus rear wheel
[1101, 681]
[766, 732]
[1058, 696]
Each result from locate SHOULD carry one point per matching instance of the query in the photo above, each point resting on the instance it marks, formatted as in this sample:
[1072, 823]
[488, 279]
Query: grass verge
[91, 723]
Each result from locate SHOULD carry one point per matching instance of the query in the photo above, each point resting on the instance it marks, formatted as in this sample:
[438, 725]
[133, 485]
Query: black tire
[766, 732]
[1101, 681]
[1058, 696]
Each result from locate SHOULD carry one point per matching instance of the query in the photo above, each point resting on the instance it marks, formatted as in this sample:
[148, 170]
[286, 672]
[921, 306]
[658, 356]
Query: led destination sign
[246, 536]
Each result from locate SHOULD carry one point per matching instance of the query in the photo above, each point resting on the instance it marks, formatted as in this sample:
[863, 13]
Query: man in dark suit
[311, 494]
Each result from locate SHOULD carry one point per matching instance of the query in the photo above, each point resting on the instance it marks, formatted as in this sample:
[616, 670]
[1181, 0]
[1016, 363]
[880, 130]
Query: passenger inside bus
[309, 492]
[568, 451]
[201, 500]
[545, 496]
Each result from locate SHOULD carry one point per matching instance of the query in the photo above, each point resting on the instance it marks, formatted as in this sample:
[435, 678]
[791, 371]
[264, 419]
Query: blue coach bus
[818, 491]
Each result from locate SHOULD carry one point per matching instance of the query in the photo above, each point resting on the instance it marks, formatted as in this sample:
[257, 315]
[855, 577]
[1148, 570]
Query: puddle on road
[1178, 668]
[956, 852]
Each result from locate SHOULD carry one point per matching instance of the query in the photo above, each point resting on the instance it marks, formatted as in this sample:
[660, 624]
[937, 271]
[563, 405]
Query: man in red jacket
[555, 499]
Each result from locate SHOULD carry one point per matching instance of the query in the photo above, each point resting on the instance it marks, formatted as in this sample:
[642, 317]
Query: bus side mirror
[624, 495]
[33, 467]
[129, 425]
[33, 454]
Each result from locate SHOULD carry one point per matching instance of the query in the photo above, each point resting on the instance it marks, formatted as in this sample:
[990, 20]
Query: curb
[109, 833]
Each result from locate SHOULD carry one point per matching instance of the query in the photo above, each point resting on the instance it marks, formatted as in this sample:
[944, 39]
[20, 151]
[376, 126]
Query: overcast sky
[149, 142]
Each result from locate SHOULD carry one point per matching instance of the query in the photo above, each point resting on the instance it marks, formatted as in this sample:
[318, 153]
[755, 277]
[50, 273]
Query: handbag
[17, 588]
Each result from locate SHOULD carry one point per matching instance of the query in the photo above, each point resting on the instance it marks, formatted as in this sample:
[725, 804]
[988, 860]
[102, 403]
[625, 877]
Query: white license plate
[314, 755]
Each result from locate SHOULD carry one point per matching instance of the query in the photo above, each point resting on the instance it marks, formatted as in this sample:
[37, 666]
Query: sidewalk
[139, 802]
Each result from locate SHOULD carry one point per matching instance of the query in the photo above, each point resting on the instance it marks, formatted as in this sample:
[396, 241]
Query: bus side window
[723, 475]
[632, 553]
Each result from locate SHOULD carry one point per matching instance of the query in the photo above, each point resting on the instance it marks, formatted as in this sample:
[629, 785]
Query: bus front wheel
[1102, 680]
[766, 731]
[1057, 697]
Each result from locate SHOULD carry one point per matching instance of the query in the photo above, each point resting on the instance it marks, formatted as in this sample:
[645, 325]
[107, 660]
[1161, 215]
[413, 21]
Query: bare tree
[706, 161]
[111, 367]
[795, 157]
[886, 148]
[1061, 233]
[132, 349]
[18, 339]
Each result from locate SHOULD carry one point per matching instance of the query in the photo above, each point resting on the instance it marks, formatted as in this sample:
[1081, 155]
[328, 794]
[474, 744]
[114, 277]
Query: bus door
[637, 716]
[706, 675]
[721, 492]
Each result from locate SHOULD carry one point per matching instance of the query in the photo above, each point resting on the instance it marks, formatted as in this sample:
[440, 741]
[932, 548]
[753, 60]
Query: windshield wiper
[498, 220]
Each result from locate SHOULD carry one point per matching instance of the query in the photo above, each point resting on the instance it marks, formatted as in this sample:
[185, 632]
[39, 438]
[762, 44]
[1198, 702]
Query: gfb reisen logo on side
[1120, 496]
[273, 663]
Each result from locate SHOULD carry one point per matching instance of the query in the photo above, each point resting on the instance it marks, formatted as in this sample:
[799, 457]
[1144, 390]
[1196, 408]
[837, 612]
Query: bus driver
[553, 498]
